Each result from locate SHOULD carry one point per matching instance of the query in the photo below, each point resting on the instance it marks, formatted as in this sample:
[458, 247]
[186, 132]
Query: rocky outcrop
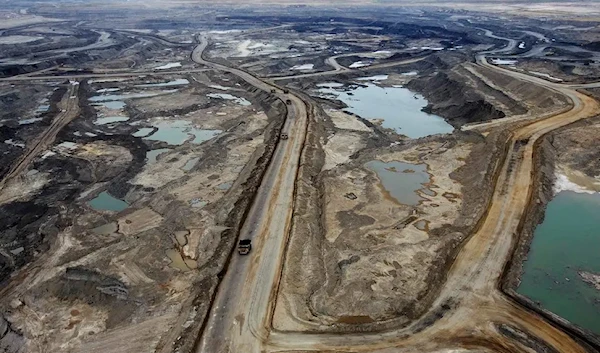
[10, 340]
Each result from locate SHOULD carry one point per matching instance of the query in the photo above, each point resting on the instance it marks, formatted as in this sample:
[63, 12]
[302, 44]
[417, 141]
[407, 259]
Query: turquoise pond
[176, 132]
[567, 241]
[106, 202]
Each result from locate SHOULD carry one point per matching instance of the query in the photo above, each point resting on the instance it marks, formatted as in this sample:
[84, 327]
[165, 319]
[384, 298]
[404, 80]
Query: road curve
[240, 314]
[470, 294]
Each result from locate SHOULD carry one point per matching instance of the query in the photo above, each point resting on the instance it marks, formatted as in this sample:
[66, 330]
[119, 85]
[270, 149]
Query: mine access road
[244, 299]
[470, 312]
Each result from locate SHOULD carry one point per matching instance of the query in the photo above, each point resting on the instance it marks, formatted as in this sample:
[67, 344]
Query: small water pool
[399, 108]
[106, 202]
[152, 155]
[177, 132]
[402, 181]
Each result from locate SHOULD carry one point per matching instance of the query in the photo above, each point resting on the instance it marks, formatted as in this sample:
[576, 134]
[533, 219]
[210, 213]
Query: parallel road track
[70, 108]
[473, 307]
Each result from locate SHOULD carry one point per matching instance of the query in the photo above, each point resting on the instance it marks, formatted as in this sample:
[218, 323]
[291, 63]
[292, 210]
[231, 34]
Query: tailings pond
[106, 202]
[566, 243]
[399, 108]
[403, 181]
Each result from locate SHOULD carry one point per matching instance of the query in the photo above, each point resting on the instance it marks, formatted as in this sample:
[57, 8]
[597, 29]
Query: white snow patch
[563, 183]
[18, 39]
[330, 84]
[303, 67]
[374, 78]
[67, 145]
[168, 66]
[48, 154]
[222, 88]
[13, 143]
[226, 31]
[259, 45]
[410, 73]
[104, 90]
[242, 48]
[503, 62]
[359, 64]
[29, 121]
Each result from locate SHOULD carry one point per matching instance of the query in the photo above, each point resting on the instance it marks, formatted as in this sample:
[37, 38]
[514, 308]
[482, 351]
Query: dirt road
[470, 299]
[242, 307]
[470, 308]
[69, 106]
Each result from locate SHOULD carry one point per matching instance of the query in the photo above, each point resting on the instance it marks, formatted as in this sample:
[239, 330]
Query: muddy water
[105, 202]
[566, 242]
[401, 180]
[152, 155]
[399, 108]
[178, 262]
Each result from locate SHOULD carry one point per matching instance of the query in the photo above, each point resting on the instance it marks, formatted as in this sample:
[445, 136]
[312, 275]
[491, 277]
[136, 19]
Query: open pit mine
[285, 177]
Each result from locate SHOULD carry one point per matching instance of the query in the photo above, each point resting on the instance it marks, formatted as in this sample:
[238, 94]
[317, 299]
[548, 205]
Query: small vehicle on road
[284, 136]
[288, 101]
[244, 246]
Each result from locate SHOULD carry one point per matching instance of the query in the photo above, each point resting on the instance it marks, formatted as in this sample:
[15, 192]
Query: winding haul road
[470, 307]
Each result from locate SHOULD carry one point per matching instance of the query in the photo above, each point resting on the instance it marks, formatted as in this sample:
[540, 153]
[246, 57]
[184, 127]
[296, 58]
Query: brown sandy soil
[379, 260]
[129, 281]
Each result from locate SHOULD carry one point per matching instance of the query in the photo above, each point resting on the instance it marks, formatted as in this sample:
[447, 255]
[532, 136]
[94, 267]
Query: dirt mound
[454, 100]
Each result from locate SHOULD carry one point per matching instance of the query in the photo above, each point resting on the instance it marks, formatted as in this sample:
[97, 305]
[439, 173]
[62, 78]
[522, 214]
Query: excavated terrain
[373, 261]
[120, 225]
[571, 151]
[104, 276]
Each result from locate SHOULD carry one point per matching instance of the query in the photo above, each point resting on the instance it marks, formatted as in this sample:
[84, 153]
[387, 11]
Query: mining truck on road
[244, 246]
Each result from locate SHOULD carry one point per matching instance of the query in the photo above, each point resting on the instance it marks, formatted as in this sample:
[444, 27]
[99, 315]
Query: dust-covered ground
[371, 259]
[374, 261]
[115, 237]
[182, 158]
